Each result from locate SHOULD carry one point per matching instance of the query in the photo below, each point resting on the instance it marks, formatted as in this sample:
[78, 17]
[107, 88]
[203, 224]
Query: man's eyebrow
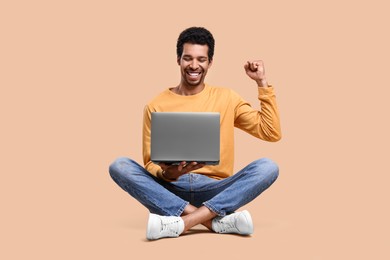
[190, 56]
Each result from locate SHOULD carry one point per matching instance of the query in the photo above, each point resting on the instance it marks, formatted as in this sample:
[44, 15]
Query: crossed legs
[220, 197]
[193, 216]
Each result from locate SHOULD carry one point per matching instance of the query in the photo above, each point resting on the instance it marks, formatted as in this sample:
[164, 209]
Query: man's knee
[267, 168]
[117, 167]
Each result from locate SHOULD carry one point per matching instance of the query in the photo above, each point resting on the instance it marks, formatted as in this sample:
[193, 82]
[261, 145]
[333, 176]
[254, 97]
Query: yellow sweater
[234, 112]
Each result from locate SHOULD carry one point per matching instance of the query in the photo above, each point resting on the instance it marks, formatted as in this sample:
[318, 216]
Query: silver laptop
[185, 136]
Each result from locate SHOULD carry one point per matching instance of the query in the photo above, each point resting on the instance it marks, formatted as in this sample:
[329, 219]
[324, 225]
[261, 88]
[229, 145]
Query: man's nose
[194, 64]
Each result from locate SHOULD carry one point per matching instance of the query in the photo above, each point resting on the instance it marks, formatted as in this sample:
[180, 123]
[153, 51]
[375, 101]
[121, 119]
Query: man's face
[194, 63]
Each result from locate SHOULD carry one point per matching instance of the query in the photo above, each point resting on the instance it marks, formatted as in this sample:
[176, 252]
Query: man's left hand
[255, 70]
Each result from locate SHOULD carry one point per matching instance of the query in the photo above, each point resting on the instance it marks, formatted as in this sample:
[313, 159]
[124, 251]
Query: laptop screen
[185, 136]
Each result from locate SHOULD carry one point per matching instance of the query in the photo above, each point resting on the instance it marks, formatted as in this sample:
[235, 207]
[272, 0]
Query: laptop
[185, 136]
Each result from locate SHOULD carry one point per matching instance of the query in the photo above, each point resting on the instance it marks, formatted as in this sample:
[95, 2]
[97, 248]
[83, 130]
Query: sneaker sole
[248, 219]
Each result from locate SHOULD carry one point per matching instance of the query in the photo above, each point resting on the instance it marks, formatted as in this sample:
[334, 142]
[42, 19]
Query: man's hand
[173, 172]
[255, 70]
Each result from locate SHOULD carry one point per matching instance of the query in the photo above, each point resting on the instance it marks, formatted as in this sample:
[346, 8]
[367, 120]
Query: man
[182, 196]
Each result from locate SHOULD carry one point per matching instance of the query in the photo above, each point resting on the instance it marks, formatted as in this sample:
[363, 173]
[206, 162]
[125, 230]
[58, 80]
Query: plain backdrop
[75, 76]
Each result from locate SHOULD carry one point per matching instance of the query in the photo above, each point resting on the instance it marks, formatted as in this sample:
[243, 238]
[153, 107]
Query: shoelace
[165, 227]
[227, 225]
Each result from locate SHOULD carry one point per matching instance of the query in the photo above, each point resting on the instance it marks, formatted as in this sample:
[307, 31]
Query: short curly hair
[196, 35]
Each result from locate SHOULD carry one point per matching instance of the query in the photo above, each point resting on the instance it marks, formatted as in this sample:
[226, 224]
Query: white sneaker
[238, 223]
[161, 226]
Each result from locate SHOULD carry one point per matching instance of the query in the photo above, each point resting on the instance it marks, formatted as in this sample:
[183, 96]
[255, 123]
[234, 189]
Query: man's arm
[264, 124]
[146, 128]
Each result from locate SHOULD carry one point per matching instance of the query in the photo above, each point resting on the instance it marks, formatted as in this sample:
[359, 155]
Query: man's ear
[210, 63]
[178, 60]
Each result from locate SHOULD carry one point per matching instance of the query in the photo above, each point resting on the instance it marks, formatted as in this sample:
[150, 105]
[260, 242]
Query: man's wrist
[262, 83]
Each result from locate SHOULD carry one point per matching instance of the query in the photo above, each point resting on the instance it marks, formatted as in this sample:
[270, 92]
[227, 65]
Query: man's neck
[185, 90]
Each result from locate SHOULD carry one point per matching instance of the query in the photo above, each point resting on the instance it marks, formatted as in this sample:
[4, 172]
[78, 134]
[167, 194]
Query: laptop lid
[185, 136]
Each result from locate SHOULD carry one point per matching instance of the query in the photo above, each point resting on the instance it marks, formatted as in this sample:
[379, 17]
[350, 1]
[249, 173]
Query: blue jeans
[170, 198]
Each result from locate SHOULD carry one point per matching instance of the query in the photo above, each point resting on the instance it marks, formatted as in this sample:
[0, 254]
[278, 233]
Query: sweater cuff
[266, 91]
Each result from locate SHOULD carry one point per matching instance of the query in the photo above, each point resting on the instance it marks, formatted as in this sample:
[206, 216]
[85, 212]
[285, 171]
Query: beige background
[75, 76]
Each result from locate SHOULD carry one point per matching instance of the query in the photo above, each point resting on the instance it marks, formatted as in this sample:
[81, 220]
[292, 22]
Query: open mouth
[193, 75]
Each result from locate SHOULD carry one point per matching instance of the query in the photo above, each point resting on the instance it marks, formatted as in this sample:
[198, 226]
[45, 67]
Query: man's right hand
[173, 172]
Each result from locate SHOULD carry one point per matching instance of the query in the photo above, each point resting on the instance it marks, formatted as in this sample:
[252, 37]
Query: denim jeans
[170, 198]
